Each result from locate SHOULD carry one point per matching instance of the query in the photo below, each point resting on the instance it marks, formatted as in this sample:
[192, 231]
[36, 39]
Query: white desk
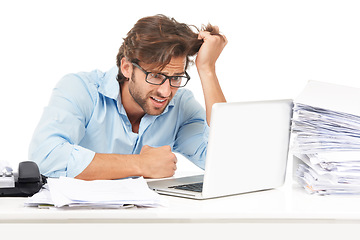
[284, 213]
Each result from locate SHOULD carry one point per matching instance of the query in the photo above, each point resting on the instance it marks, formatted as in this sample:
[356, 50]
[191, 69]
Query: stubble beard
[143, 102]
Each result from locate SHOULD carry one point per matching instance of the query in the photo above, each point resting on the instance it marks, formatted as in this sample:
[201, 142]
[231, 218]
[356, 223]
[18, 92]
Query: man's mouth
[158, 100]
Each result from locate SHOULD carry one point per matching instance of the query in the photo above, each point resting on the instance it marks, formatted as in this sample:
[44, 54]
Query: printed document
[72, 192]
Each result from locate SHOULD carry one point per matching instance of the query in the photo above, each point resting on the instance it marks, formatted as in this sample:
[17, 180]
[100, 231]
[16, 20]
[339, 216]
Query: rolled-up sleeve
[54, 146]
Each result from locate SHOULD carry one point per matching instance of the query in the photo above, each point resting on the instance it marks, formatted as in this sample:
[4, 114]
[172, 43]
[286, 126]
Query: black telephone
[26, 182]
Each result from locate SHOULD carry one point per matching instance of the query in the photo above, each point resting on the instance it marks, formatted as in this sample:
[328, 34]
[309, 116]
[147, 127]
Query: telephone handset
[26, 182]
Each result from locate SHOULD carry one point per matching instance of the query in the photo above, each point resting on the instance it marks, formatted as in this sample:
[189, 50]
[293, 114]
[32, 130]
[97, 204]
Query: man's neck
[133, 110]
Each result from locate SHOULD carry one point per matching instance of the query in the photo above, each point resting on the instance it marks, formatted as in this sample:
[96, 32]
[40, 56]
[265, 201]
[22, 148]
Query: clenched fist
[157, 162]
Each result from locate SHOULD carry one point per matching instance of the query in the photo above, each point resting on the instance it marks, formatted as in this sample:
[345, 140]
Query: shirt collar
[109, 86]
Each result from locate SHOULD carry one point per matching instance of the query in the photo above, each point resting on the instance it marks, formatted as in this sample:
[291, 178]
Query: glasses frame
[166, 77]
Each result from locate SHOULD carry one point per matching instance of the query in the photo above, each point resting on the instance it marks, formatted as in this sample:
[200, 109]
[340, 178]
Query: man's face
[153, 99]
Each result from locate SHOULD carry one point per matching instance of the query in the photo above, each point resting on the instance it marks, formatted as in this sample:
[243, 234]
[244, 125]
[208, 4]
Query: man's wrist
[134, 165]
[206, 70]
[207, 74]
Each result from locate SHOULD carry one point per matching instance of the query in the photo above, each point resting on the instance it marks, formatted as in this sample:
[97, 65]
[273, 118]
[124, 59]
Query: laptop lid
[247, 150]
[248, 147]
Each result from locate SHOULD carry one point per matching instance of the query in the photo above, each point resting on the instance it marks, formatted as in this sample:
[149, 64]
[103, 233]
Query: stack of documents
[70, 192]
[326, 146]
[321, 130]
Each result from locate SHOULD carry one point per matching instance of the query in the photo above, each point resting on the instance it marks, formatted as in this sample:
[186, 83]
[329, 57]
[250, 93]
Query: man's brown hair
[156, 39]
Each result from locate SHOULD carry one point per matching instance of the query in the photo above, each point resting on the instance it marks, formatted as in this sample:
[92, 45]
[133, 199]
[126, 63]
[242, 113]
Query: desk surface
[283, 213]
[287, 212]
[288, 203]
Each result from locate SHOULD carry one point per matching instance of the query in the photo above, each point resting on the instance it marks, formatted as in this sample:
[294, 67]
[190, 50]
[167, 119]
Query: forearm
[111, 166]
[205, 63]
[150, 163]
[212, 91]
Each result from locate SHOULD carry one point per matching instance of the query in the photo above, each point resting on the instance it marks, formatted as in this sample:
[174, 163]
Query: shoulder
[89, 84]
[74, 84]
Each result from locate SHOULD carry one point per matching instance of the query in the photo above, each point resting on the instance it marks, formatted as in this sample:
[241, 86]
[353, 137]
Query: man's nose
[164, 89]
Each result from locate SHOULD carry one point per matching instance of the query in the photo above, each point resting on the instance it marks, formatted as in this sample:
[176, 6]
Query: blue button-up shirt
[85, 116]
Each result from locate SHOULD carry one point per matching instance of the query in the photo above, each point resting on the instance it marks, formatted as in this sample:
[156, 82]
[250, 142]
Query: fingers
[203, 35]
[210, 50]
[158, 162]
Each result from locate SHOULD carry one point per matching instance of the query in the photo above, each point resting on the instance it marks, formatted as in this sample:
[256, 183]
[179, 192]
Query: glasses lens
[178, 81]
[155, 78]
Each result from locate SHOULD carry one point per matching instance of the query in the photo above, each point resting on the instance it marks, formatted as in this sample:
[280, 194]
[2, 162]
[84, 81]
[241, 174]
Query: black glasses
[160, 78]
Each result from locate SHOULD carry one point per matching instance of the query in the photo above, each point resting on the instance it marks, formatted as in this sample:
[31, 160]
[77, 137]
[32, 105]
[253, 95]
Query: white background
[274, 48]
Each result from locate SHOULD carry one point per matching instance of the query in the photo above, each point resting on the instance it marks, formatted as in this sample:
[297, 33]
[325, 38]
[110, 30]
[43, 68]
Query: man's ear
[126, 68]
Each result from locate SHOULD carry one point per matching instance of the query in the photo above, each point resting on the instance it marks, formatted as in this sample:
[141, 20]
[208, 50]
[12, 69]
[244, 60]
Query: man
[129, 120]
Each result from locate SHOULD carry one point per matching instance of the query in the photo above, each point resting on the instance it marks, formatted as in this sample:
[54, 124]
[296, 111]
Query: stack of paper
[319, 130]
[95, 194]
[326, 125]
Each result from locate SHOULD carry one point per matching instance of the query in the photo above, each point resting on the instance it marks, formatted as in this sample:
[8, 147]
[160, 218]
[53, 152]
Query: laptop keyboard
[194, 187]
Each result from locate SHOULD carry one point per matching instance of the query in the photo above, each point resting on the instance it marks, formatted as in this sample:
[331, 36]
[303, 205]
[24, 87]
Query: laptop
[247, 151]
